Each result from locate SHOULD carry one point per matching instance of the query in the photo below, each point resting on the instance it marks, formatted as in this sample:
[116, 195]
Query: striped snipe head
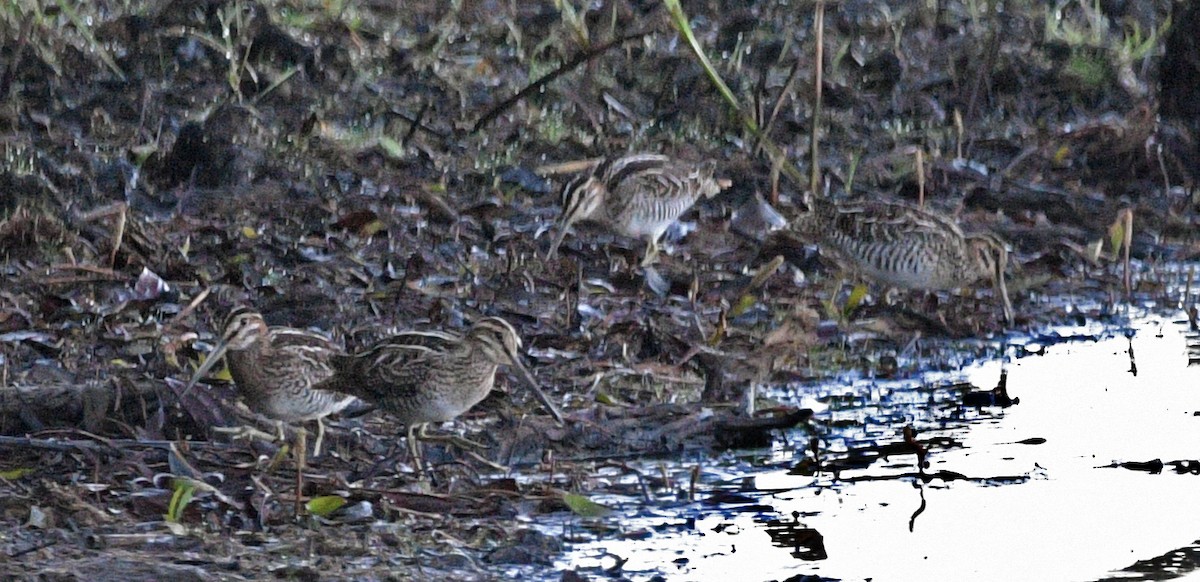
[638, 195]
[990, 253]
[243, 329]
[498, 343]
[581, 198]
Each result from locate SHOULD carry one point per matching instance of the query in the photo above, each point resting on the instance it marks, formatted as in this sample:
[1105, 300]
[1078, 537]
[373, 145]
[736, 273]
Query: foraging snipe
[275, 369]
[906, 246]
[424, 377]
[638, 196]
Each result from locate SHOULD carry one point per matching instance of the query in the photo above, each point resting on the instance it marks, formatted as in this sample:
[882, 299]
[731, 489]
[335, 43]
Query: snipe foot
[249, 432]
[300, 449]
[418, 433]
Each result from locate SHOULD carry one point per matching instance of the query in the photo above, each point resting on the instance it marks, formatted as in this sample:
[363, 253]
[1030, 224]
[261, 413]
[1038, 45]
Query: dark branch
[551, 76]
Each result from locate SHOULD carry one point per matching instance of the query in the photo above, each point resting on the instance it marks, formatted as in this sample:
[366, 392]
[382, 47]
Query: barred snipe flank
[638, 196]
[902, 245]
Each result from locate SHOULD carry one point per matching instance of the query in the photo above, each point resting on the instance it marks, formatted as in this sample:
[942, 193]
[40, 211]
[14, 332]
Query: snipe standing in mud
[637, 195]
[905, 246]
[424, 377]
[275, 370]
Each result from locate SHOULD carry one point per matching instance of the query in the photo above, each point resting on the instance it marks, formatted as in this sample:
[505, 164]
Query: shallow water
[1061, 509]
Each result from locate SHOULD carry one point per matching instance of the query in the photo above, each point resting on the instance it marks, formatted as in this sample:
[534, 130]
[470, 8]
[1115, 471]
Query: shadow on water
[1074, 461]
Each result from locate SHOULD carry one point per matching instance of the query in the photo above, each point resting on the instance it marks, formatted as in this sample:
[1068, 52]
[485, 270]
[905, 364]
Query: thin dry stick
[118, 234]
[787, 90]
[983, 77]
[776, 166]
[572, 167]
[101, 445]
[1128, 242]
[416, 123]
[106, 273]
[551, 76]
[814, 138]
[1187, 288]
[1187, 297]
[920, 177]
[301, 460]
[118, 209]
[958, 130]
[1162, 167]
[186, 311]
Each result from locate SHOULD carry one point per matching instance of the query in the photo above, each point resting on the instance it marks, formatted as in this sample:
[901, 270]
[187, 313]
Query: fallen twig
[102, 446]
[565, 68]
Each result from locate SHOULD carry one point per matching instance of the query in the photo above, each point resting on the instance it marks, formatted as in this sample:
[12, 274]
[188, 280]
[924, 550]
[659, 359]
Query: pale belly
[637, 228]
[454, 399]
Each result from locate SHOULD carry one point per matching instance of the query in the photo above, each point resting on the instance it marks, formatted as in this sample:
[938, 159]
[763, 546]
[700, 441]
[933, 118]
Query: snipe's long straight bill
[562, 226]
[537, 391]
[210, 361]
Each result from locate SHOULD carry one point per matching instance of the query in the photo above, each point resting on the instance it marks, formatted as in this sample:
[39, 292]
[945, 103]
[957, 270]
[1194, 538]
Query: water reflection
[1092, 476]
[806, 543]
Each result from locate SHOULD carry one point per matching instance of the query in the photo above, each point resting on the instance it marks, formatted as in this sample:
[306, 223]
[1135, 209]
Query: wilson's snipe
[275, 369]
[424, 377]
[905, 246]
[638, 196]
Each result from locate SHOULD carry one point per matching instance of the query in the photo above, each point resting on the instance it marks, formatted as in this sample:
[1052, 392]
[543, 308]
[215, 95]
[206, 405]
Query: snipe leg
[414, 448]
[320, 437]
[300, 447]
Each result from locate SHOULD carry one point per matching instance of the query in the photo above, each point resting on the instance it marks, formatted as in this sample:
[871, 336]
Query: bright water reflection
[1071, 515]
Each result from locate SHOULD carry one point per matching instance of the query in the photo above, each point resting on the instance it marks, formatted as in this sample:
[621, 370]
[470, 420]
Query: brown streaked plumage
[638, 195]
[275, 369]
[906, 246]
[424, 377]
